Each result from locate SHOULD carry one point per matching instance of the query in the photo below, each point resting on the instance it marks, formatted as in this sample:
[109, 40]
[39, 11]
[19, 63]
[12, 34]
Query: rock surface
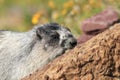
[83, 38]
[98, 23]
[97, 59]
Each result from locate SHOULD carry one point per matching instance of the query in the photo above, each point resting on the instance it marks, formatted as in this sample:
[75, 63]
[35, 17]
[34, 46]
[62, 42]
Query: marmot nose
[73, 43]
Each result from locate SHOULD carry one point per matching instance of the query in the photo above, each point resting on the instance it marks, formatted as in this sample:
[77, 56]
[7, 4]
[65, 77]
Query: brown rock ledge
[97, 59]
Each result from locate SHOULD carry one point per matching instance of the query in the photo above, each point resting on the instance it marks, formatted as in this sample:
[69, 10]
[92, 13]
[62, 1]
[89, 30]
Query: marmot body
[22, 53]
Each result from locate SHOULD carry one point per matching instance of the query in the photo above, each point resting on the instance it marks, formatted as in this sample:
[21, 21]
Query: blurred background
[22, 15]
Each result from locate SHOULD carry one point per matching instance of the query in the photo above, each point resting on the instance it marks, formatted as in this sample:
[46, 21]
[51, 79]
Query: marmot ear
[41, 32]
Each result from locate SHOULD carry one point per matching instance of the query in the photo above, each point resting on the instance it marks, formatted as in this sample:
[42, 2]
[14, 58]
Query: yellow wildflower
[36, 17]
[51, 4]
[111, 0]
[69, 4]
[64, 12]
[94, 3]
[91, 2]
[75, 10]
[86, 8]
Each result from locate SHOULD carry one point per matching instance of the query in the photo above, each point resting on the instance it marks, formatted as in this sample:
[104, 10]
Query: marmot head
[54, 35]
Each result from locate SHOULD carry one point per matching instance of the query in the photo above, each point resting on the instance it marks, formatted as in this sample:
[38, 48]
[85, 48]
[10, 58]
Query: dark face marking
[70, 35]
[49, 37]
[41, 32]
[54, 39]
[48, 31]
[55, 35]
[63, 43]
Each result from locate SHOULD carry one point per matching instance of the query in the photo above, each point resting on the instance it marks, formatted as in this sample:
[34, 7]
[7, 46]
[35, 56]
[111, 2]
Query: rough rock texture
[97, 59]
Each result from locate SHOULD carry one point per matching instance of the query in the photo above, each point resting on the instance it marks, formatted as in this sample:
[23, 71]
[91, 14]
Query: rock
[91, 25]
[97, 59]
[100, 21]
[83, 38]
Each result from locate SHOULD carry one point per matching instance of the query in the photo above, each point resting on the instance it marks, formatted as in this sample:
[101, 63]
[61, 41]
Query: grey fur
[23, 53]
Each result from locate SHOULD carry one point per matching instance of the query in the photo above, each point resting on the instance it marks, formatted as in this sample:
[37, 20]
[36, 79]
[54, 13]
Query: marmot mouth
[73, 44]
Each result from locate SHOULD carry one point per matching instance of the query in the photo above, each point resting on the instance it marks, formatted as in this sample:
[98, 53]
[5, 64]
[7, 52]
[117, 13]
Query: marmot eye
[55, 35]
